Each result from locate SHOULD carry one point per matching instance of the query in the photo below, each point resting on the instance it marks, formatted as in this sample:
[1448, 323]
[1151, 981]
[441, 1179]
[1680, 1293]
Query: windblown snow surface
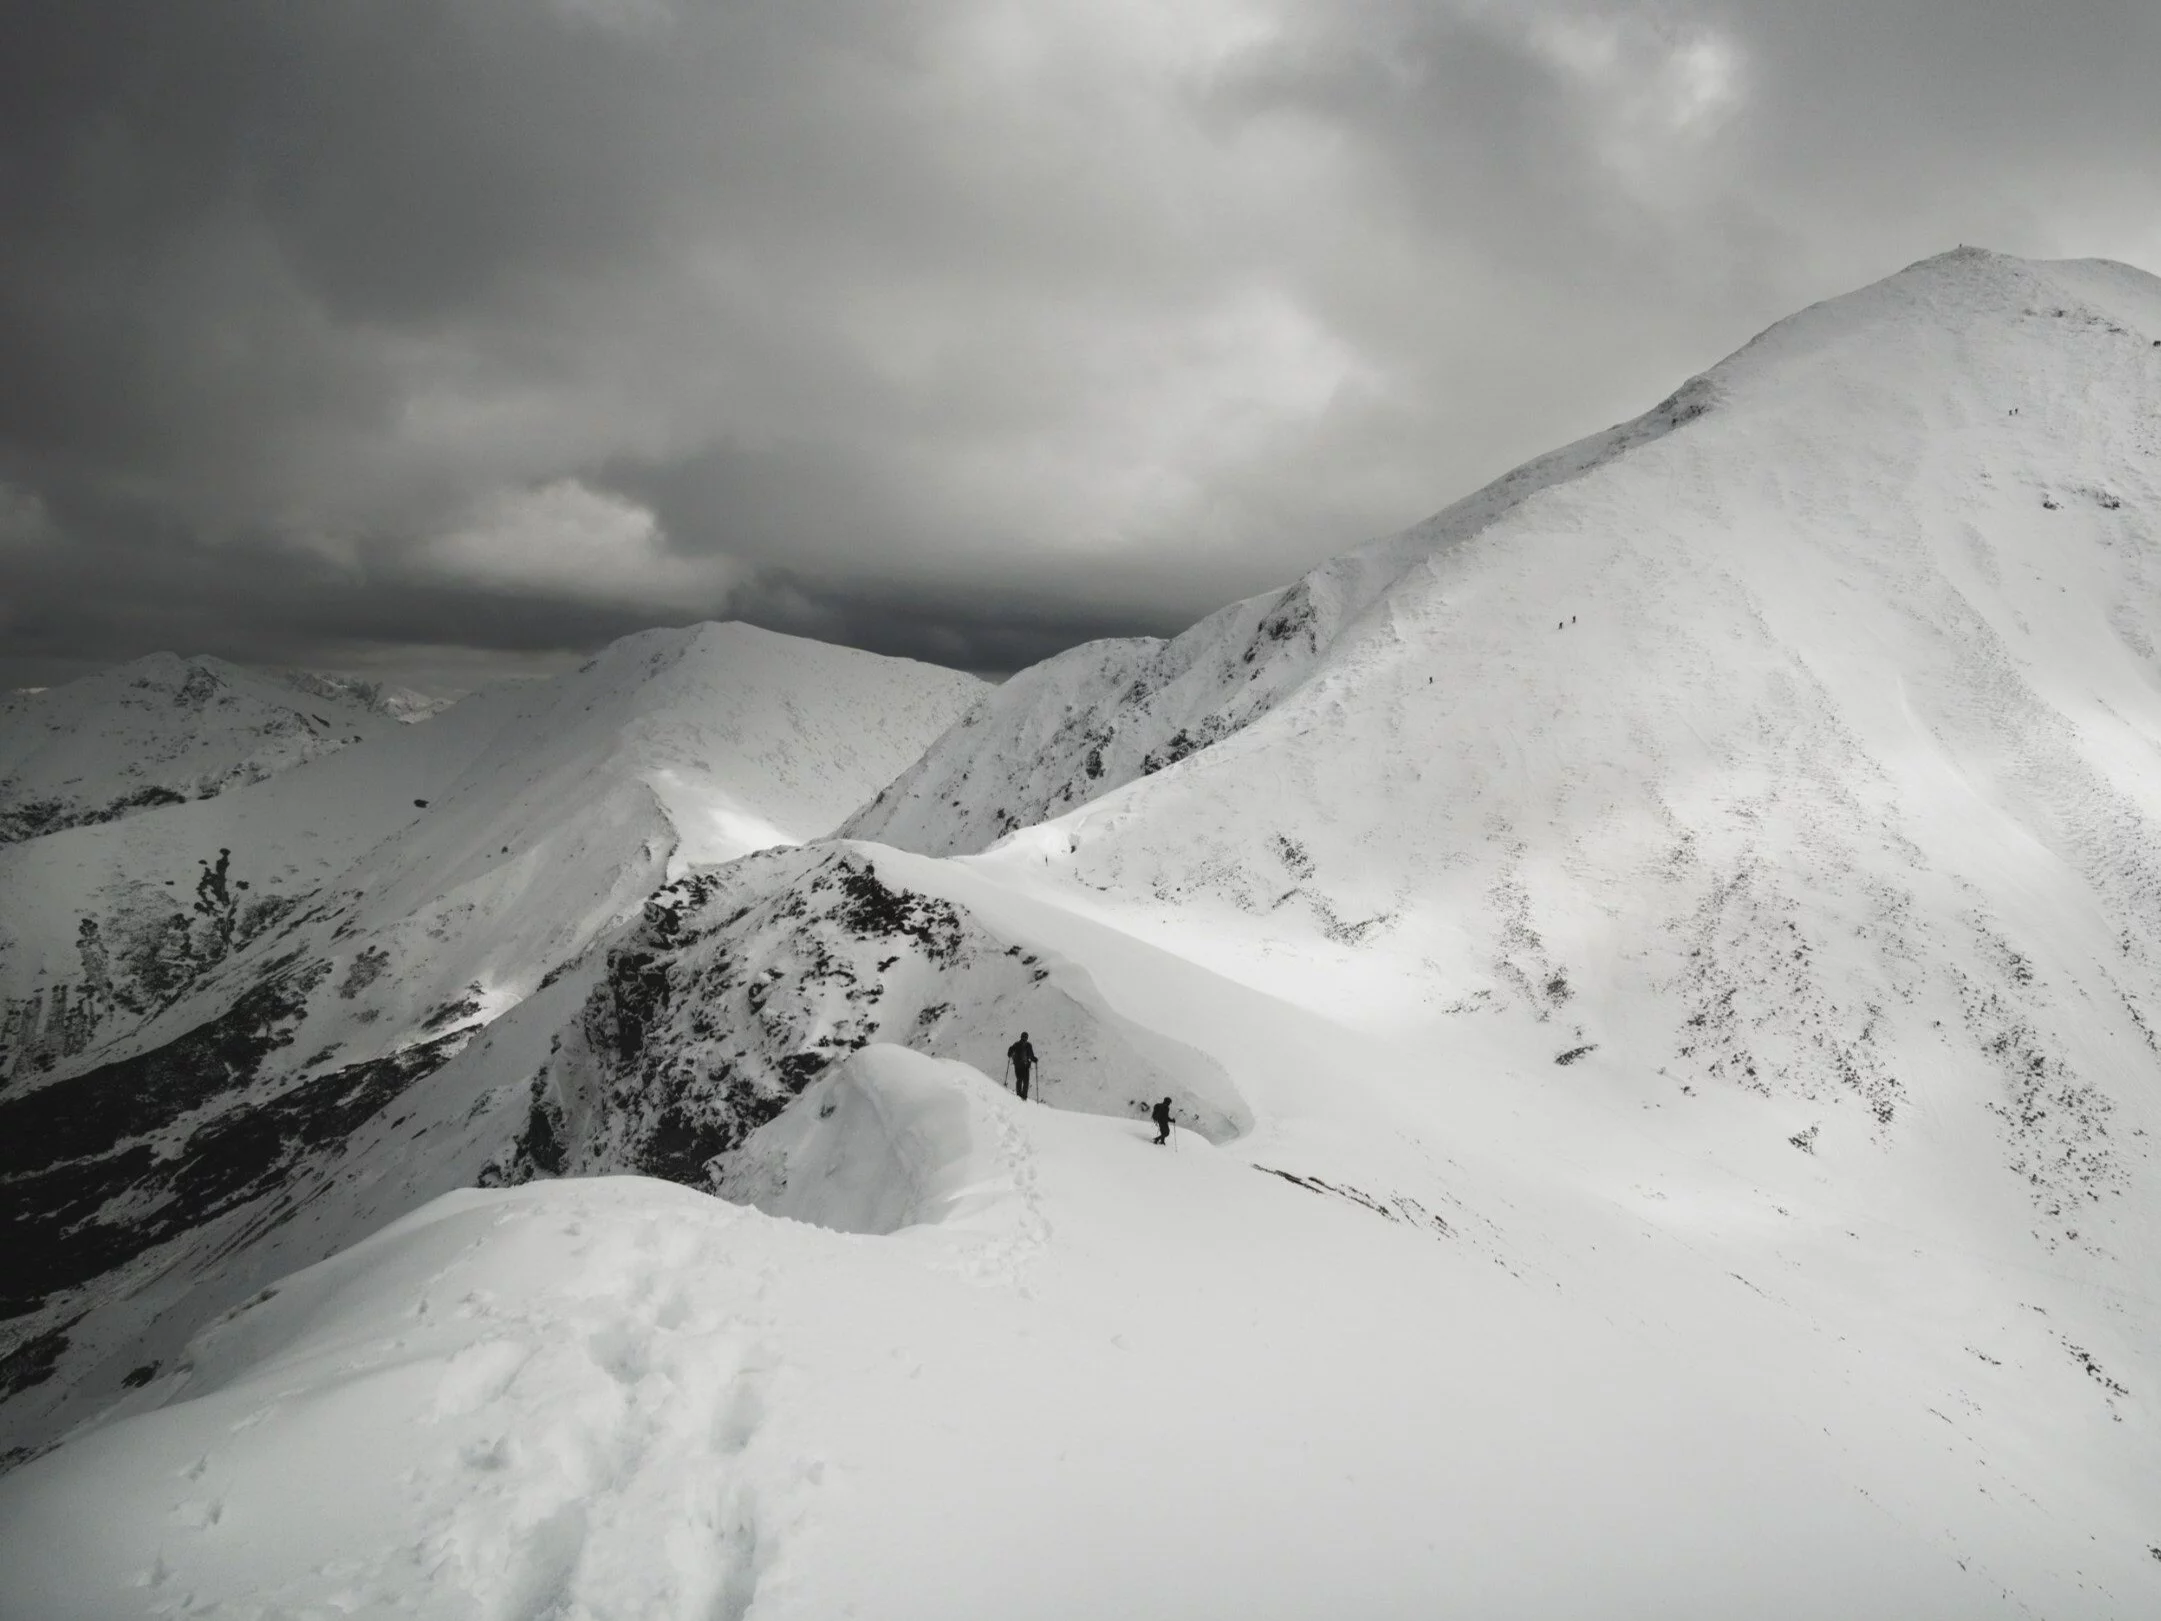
[1660, 965]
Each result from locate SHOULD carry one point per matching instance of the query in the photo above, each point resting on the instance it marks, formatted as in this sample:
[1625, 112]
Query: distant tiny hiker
[1161, 1115]
[1020, 1058]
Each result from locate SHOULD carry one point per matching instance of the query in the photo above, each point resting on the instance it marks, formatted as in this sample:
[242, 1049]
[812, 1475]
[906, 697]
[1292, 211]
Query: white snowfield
[1082, 1377]
[1669, 950]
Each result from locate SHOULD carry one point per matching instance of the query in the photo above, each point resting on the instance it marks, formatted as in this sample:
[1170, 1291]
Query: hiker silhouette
[1161, 1115]
[1020, 1057]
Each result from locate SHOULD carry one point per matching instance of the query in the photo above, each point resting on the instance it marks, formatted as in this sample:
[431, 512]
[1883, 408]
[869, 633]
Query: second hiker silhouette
[1021, 1057]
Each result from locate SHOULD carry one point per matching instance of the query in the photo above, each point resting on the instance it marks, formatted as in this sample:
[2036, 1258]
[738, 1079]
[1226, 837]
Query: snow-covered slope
[1806, 739]
[1075, 727]
[347, 926]
[986, 1359]
[1664, 959]
[165, 730]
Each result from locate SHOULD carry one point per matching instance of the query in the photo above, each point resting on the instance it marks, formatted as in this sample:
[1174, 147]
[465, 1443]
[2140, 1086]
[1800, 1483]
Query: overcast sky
[448, 338]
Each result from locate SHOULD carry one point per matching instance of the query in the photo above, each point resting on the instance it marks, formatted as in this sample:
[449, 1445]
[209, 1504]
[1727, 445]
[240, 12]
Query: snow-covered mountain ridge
[1080, 725]
[165, 730]
[1802, 739]
[1663, 957]
[179, 1077]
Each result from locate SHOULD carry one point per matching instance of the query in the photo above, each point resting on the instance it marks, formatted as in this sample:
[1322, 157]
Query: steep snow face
[891, 1139]
[1072, 729]
[1810, 746]
[195, 1055]
[1847, 395]
[165, 730]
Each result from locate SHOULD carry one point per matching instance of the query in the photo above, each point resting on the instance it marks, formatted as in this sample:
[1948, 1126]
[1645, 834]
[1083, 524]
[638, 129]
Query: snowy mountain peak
[1861, 627]
[1949, 348]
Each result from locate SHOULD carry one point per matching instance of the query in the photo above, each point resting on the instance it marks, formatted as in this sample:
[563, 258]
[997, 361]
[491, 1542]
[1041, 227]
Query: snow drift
[889, 1139]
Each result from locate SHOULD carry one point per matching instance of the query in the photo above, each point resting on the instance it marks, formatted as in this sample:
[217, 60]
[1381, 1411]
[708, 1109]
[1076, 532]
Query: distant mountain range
[165, 730]
[202, 1002]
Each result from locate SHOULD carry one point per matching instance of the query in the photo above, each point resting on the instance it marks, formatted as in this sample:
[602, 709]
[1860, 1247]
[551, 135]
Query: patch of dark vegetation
[798, 1070]
[1396, 1207]
[80, 1218]
[871, 910]
[455, 1011]
[138, 959]
[36, 817]
[686, 1138]
[1346, 931]
[2056, 1122]
[1296, 859]
[136, 1378]
[1685, 404]
[633, 999]
[1764, 1015]
[1184, 742]
[1293, 613]
[33, 1361]
[540, 1143]
[364, 970]
[96, 1111]
[1804, 1140]
[215, 901]
[1574, 1053]
[2094, 1370]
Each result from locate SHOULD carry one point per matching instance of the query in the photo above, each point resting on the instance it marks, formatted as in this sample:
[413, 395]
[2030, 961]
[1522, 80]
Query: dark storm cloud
[949, 327]
[281, 606]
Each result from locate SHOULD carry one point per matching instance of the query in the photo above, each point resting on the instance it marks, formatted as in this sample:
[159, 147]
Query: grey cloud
[72, 611]
[964, 328]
